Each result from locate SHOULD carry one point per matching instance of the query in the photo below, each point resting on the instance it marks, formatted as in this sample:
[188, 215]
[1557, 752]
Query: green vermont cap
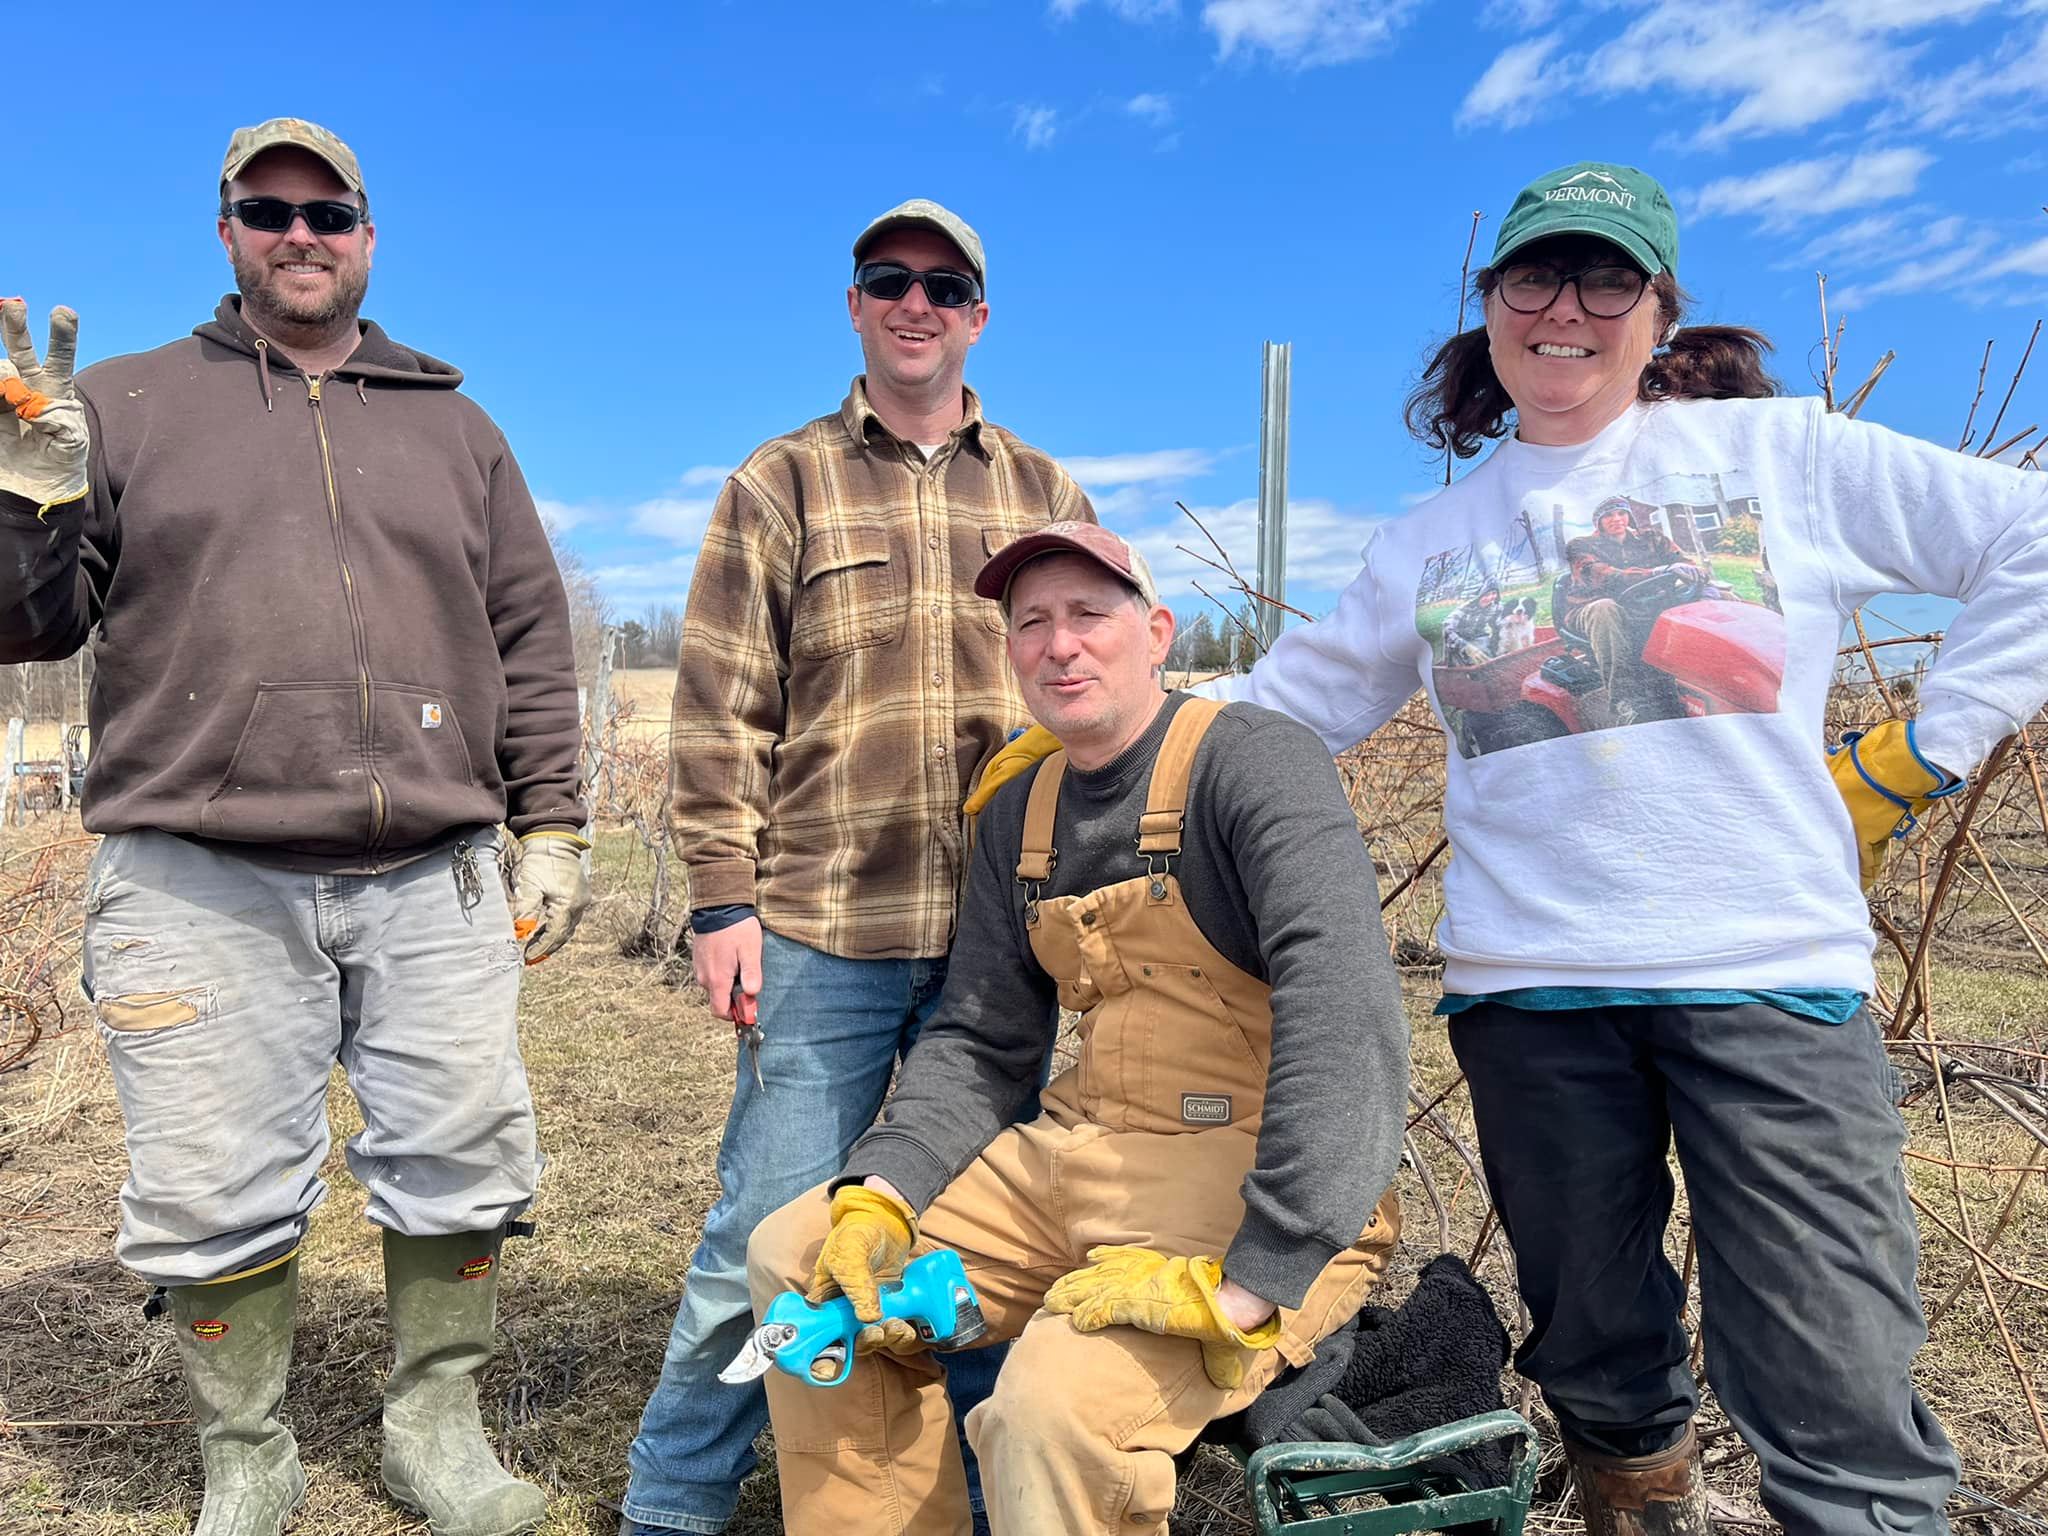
[294, 133]
[1613, 202]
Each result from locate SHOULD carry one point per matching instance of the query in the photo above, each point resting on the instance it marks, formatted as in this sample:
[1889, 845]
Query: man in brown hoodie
[332, 656]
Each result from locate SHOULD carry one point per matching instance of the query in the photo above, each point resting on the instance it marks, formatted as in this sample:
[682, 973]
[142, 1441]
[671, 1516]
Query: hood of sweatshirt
[377, 358]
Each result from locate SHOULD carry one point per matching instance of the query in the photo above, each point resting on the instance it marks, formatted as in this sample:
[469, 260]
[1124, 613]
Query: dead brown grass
[632, 1078]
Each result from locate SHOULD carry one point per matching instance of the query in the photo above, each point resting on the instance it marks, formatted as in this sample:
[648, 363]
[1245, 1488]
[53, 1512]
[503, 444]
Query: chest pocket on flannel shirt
[851, 593]
[993, 537]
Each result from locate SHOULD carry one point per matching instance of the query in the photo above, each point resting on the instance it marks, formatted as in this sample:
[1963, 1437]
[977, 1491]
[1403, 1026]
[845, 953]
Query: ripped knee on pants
[143, 1013]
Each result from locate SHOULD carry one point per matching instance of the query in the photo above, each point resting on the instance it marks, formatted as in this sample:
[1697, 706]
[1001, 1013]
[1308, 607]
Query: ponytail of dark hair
[1460, 401]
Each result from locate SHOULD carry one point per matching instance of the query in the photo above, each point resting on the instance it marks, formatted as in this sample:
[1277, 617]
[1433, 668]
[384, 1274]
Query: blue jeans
[832, 1030]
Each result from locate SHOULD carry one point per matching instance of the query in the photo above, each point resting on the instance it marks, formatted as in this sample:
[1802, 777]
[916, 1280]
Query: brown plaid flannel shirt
[840, 685]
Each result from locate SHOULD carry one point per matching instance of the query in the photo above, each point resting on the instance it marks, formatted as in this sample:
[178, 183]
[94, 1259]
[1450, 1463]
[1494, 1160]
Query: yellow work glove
[1017, 754]
[1146, 1289]
[549, 891]
[869, 1241]
[43, 436]
[1886, 784]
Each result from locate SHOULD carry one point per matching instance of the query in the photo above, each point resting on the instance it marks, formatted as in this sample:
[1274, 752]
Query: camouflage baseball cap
[295, 133]
[923, 213]
[1616, 203]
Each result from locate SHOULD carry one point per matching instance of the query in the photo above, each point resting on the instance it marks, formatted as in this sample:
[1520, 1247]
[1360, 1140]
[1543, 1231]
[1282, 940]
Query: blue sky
[631, 229]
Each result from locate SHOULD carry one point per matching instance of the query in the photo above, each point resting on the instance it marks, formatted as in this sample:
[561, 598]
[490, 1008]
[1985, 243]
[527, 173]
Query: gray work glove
[549, 891]
[43, 438]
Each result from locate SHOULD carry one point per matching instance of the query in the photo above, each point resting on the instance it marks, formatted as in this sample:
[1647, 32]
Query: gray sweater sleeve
[980, 1056]
[1330, 1137]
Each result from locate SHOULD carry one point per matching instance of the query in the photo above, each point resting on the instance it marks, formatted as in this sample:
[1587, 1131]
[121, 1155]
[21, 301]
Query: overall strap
[1036, 854]
[1166, 800]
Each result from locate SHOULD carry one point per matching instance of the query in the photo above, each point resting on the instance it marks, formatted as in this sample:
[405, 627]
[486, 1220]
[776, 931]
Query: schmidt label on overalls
[1205, 1108]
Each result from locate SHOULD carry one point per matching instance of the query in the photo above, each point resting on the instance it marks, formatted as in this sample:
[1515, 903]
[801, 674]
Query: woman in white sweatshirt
[1653, 930]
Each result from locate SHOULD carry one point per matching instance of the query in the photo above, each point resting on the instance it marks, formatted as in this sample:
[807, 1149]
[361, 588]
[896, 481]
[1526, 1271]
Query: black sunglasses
[1608, 290]
[892, 280]
[273, 215]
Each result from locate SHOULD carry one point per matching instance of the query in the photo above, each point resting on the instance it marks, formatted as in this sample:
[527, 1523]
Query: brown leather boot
[1663, 1494]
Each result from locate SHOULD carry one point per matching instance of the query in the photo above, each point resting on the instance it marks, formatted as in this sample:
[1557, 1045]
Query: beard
[263, 293]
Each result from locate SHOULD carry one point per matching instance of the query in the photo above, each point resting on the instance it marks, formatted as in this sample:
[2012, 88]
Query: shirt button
[938, 751]
[938, 677]
[933, 540]
[935, 610]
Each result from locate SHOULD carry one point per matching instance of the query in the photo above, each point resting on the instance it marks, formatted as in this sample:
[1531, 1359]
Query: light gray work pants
[226, 990]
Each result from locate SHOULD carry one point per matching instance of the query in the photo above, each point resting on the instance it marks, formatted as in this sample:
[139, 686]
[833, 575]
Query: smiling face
[1570, 373]
[916, 351]
[1086, 651]
[297, 280]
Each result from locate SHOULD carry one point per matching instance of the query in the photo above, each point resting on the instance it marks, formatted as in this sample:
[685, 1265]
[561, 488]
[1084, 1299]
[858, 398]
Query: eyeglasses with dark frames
[888, 280]
[1607, 291]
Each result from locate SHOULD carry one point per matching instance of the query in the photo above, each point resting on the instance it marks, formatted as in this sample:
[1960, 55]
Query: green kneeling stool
[1299, 1487]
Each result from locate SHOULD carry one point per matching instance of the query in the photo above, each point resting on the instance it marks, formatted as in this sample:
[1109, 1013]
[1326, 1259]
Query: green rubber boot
[442, 1294]
[234, 1342]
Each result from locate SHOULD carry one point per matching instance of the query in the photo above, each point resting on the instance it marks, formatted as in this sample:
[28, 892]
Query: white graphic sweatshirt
[1630, 642]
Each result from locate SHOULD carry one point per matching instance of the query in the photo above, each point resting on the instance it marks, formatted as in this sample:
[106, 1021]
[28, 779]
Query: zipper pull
[313, 389]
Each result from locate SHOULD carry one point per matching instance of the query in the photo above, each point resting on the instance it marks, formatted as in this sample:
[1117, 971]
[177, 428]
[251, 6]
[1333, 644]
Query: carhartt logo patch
[209, 1329]
[430, 717]
[476, 1269]
[1205, 1108]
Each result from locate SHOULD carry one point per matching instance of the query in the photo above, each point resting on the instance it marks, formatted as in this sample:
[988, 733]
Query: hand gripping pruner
[813, 1341]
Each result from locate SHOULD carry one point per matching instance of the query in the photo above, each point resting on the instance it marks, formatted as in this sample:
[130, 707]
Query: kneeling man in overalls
[1203, 1195]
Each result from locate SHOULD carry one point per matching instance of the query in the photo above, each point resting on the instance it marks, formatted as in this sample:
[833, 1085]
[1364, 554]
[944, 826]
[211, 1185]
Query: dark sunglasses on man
[273, 216]
[891, 280]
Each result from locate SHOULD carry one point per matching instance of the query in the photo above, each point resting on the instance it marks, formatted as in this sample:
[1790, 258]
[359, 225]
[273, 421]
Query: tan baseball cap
[923, 213]
[295, 133]
[1070, 538]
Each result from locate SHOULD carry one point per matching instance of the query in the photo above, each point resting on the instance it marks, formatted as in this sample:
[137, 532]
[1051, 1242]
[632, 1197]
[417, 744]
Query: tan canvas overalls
[1146, 1140]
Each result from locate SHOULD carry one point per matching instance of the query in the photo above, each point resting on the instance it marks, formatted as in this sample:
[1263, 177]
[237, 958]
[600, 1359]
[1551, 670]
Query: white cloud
[2029, 259]
[1940, 270]
[1787, 195]
[1323, 545]
[674, 519]
[648, 580]
[1129, 10]
[678, 519]
[1305, 33]
[1510, 94]
[1037, 126]
[1877, 238]
[561, 516]
[1523, 15]
[1152, 106]
[1980, 94]
[1768, 68]
[1116, 469]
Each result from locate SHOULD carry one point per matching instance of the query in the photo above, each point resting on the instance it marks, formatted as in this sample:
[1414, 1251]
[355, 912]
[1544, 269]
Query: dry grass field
[632, 1078]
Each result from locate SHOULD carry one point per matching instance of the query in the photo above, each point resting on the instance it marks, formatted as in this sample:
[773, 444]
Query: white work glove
[549, 891]
[43, 437]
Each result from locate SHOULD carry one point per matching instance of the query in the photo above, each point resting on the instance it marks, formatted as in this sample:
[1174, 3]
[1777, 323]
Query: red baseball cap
[1072, 538]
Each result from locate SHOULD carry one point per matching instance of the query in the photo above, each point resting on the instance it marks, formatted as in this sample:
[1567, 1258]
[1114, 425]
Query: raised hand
[43, 449]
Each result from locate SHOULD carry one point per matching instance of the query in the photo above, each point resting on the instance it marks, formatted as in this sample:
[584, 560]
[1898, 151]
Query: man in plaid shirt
[839, 691]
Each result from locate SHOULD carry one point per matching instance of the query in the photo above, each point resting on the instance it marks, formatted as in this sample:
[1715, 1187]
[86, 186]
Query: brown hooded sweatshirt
[326, 624]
